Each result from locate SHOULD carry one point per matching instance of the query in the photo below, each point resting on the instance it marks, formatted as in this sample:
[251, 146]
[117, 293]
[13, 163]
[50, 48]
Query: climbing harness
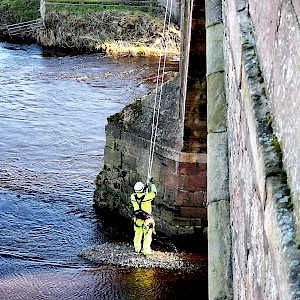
[157, 102]
[140, 214]
[145, 219]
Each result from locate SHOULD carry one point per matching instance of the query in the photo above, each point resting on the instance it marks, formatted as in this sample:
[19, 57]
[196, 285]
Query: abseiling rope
[157, 101]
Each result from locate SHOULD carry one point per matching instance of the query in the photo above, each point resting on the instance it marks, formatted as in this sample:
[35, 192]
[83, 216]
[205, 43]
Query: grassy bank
[110, 32]
[96, 28]
[13, 11]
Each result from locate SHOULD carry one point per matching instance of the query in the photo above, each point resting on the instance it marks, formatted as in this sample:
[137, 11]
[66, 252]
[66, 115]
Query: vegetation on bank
[96, 28]
[86, 6]
[13, 11]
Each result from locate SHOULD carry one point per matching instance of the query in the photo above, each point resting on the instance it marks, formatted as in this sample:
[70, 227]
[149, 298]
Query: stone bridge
[228, 144]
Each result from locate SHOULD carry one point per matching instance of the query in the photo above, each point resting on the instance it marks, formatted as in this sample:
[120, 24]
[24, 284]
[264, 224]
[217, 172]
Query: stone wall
[277, 41]
[218, 211]
[258, 219]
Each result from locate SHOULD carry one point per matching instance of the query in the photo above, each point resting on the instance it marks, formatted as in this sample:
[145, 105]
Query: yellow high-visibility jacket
[142, 201]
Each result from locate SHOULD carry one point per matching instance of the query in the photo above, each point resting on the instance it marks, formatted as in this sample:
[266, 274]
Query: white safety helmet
[139, 187]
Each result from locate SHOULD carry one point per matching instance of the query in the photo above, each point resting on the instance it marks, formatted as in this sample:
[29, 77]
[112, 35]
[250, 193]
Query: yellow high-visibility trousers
[142, 237]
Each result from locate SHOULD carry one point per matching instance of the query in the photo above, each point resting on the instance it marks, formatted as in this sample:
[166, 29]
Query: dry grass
[120, 48]
[111, 32]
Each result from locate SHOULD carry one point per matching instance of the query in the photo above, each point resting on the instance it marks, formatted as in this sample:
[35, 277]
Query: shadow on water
[52, 135]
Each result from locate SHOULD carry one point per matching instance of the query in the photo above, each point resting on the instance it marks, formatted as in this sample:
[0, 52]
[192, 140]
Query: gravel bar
[123, 255]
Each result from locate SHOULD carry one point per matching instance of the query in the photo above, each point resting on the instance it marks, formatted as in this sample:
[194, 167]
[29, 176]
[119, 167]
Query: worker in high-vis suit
[144, 224]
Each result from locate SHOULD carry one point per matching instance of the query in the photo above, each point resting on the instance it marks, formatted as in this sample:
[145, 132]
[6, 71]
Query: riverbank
[111, 32]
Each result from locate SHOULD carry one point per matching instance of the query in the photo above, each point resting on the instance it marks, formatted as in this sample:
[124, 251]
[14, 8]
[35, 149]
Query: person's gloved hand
[151, 180]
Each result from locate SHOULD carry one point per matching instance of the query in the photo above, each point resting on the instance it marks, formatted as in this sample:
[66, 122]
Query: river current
[53, 112]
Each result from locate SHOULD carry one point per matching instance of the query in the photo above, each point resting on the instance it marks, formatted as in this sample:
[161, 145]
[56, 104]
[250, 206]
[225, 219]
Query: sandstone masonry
[257, 222]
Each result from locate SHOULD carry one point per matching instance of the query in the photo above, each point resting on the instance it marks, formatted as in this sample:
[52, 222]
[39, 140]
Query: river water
[53, 112]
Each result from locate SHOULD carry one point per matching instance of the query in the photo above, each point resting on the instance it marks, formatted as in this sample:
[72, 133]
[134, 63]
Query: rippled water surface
[53, 112]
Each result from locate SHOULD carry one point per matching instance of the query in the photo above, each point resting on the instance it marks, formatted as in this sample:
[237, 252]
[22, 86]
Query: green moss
[110, 185]
[277, 147]
[268, 120]
[128, 113]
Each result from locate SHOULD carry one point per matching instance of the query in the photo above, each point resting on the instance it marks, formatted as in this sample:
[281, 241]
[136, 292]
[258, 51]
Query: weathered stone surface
[280, 231]
[188, 168]
[186, 198]
[213, 12]
[217, 167]
[193, 212]
[219, 249]
[232, 40]
[296, 5]
[268, 11]
[284, 94]
[214, 49]
[264, 253]
[192, 182]
[216, 104]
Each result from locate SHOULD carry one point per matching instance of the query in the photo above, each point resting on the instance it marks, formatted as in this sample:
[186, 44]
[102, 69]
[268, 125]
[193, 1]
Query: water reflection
[104, 283]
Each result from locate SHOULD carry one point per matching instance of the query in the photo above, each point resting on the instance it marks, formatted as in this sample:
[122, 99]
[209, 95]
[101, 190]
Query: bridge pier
[180, 159]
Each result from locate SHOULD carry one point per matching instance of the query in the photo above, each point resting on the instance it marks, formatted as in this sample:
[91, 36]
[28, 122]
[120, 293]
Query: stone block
[214, 49]
[216, 103]
[113, 130]
[196, 222]
[179, 221]
[166, 215]
[192, 157]
[217, 167]
[128, 162]
[170, 179]
[186, 198]
[219, 249]
[185, 230]
[213, 12]
[112, 157]
[197, 182]
[191, 168]
[193, 212]
[168, 197]
[110, 141]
